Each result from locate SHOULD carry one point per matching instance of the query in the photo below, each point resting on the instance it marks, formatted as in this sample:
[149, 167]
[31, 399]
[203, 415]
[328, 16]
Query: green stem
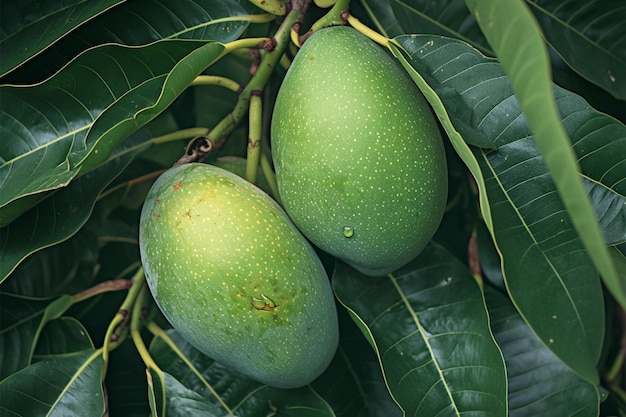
[180, 134]
[121, 318]
[103, 287]
[334, 17]
[136, 323]
[270, 177]
[255, 115]
[216, 80]
[275, 7]
[370, 33]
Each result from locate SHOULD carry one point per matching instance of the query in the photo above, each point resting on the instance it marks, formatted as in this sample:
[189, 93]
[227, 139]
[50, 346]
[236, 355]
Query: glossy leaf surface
[22, 321]
[539, 383]
[519, 196]
[522, 53]
[29, 27]
[140, 22]
[64, 386]
[429, 326]
[241, 395]
[589, 36]
[62, 214]
[67, 125]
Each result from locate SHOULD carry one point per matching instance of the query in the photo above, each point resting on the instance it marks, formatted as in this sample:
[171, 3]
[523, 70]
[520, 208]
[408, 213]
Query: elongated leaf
[353, 384]
[71, 122]
[238, 395]
[60, 337]
[66, 268]
[429, 325]
[589, 36]
[62, 214]
[140, 22]
[28, 26]
[539, 383]
[522, 53]
[538, 243]
[444, 17]
[22, 321]
[64, 386]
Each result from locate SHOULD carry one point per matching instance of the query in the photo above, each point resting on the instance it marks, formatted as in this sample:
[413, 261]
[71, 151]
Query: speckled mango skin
[235, 277]
[360, 162]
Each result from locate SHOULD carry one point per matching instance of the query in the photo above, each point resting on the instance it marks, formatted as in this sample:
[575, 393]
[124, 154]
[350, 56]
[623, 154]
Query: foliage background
[516, 306]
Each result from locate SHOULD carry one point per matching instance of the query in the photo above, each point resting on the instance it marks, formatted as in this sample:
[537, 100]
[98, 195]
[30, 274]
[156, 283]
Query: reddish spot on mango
[177, 185]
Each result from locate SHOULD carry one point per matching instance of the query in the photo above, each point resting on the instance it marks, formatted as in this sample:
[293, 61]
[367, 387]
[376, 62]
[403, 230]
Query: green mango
[360, 162]
[234, 276]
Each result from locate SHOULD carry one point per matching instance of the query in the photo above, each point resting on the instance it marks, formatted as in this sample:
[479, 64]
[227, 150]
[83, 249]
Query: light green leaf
[58, 387]
[505, 23]
[28, 27]
[429, 325]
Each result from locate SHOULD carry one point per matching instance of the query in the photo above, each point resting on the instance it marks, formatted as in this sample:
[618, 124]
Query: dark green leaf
[140, 22]
[28, 27]
[353, 384]
[518, 197]
[539, 383]
[21, 323]
[516, 38]
[63, 213]
[430, 328]
[66, 268]
[63, 386]
[589, 35]
[236, 394]
[70, 123]
[179, 400]
[60, 337]
[444, 17]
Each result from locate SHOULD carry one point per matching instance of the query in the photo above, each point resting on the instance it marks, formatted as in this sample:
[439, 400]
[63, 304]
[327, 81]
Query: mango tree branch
[275, 49]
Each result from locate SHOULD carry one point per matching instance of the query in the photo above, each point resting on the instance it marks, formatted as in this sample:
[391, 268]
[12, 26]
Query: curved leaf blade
[539, 383]
[52, 128]
[22, 322]
[28, 27]
[60, 337]
[140, 22]
[589, 35]
[63, 386]
[429, 325]
[233, 392]
[63, 213]
[505, 23]
[480, 103]
[353, 384]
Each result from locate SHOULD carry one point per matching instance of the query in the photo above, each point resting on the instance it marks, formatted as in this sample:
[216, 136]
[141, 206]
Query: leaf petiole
[255, 115]
[218, 81]
[116, 328]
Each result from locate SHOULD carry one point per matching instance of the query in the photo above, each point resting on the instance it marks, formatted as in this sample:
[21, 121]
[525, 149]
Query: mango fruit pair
[362, 173]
